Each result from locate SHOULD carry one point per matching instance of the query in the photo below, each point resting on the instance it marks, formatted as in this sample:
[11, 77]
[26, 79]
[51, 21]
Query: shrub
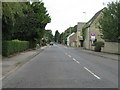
[10, 47]
[98, 46]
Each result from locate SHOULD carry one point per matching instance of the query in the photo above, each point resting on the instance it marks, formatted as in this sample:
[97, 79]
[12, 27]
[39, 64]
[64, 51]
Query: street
[59, 66]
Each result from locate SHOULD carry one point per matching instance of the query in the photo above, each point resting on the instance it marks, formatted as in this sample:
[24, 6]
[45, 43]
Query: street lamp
[85, 15]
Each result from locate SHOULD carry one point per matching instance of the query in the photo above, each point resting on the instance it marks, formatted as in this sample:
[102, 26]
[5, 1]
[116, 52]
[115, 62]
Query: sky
[67, 13]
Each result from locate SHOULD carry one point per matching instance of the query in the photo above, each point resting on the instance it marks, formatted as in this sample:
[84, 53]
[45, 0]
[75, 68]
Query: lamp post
[85, 15]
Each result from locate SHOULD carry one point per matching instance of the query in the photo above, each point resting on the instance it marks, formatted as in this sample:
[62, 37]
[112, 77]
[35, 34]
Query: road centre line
[69, 56]
[73, 58]
[76, 61]
[85, 67]
[92, 73]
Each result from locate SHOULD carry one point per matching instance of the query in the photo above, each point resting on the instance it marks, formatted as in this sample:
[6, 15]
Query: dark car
[51, 43]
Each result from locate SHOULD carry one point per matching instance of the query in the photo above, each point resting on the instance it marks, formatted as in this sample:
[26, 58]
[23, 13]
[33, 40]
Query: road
[62, 67]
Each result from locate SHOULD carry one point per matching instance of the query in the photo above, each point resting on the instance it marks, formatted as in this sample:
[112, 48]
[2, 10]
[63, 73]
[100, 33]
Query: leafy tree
[24, 21]
[48, 36]
[61, 38]
[57, 36]
[109, 21]
[9, 12]
[67, 32]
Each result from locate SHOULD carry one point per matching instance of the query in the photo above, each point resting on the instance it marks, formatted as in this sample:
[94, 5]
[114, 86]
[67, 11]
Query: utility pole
[85, 16]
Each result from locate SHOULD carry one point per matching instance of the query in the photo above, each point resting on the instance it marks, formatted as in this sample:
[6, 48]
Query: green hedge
[98, 46]
[10, 47]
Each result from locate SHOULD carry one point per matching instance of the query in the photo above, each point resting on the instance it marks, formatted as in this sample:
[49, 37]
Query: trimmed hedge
[10, 47]
[98, 46]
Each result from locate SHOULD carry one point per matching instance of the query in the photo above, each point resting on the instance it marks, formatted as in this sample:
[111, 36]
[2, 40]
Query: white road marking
[92, 73]
[76, 61]
[69, 56]
[84, 67]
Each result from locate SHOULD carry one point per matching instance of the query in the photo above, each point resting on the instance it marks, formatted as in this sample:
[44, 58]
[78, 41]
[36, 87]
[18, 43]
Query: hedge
[98, 46]
[10, 47]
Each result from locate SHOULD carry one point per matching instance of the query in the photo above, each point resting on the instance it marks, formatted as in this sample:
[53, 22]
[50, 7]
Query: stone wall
[111, 47]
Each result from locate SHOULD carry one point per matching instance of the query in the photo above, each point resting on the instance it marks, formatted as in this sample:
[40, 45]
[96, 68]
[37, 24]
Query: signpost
[92, 36]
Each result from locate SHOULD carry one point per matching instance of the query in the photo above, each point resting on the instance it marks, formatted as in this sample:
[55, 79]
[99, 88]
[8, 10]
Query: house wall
[92, 29]
[87, 39]
[73, 39]
[110, 47]
[79, 33]
[68, 41]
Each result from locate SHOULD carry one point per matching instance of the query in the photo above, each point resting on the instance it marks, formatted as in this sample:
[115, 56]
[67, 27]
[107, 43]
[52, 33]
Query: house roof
[93, 18]
[71, 35]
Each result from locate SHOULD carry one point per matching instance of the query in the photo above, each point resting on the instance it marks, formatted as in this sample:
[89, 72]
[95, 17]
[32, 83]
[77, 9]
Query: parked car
[51, 43]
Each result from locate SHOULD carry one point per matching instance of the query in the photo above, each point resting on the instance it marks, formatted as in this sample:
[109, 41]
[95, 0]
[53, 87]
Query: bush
[98, 46]
[10, 47]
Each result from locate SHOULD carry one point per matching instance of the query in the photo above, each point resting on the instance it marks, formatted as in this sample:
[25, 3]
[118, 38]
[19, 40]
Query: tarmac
[101, 54]
[10, 64]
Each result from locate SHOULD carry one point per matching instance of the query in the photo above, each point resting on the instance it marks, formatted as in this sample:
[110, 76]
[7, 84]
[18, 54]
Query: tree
[57, 35]
[67, 32]
[48, 36]
[61, 38]
[9, 12]
[24, 21]
[109, 22]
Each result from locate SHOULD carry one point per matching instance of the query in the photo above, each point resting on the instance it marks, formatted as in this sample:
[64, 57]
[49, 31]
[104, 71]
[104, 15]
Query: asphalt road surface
[62, 67]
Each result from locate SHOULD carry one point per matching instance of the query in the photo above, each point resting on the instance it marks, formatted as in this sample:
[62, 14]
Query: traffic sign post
[92, 36]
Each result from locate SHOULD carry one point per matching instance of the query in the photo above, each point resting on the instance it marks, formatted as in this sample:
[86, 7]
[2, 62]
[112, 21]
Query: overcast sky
[66, 13]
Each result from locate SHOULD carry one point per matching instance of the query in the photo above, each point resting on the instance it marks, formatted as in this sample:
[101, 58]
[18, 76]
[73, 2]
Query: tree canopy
[66, 33]
[57, 35]
[24, 21]
[109, 21]
[48, 36]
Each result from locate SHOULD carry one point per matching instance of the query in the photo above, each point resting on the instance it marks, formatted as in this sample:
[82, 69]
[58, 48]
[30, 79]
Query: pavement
[102, 54]
[11, 63]
[59, 66]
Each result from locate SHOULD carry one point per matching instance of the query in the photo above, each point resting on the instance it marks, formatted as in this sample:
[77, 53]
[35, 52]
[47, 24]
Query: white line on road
[92, 73]
[76, 61]
[69, 56]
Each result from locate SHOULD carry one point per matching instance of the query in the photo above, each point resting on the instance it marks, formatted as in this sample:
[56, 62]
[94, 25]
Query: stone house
[72, 40]
[79, 34]
[76, 39]
[68, 39]
[92, 28]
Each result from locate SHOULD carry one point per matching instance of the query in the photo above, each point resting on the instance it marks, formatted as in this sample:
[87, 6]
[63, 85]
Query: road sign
[92, 36]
